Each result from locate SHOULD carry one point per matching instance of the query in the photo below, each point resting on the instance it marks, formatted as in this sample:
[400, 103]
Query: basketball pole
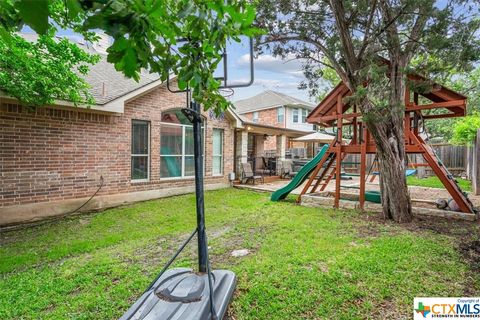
[199, 189]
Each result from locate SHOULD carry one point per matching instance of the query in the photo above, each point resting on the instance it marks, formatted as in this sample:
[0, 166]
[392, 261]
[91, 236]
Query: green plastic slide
[301, 176]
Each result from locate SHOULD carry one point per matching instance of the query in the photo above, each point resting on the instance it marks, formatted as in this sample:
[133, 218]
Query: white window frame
[255, 116]
[222, 135]
[183, 155]
[140, 155]
[280, 114]
[304, 115]
[295, 114]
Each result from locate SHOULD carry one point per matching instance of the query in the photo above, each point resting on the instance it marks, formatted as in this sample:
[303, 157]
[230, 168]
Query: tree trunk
[387, 129]
[391, 161]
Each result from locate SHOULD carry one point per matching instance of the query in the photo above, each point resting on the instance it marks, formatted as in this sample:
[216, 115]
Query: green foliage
[146, 34]
[352, 37]
[434, 182]
[321, 80]
[302, 264]
[467, 83]
[465, 130]
[38, 73]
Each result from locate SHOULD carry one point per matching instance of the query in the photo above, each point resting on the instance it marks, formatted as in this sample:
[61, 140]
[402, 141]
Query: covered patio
[250, 146]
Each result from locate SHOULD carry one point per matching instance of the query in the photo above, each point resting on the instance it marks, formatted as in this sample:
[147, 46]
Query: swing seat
[410, 172]
[373, 196]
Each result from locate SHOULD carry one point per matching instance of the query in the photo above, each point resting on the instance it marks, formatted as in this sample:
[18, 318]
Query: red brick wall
[48, 154]
[267, 117]
[270, 143]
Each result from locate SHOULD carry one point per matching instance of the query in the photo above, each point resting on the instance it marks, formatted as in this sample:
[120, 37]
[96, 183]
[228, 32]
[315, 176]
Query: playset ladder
[444, 175]
[324, 172]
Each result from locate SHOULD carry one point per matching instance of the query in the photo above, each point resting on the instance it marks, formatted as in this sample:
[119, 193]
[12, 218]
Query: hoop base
[181, 293]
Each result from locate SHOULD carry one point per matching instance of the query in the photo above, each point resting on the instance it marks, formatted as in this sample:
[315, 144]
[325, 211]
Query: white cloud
[291, 65]
[275, 84]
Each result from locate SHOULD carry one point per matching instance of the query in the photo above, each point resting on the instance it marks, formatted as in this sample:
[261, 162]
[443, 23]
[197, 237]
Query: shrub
[465, 130]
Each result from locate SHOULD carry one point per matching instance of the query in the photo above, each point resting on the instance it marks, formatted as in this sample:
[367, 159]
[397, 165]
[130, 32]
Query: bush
[465, 130]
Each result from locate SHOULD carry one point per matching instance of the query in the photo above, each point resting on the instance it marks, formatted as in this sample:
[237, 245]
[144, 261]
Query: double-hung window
[217, 162]
[295, 115]
[255, 116]
[304, 115]
[280, 114]
[140, 163]
[176, 146]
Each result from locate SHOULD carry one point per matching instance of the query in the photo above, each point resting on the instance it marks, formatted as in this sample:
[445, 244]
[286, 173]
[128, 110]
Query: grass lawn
[305, 263]
[434, 182]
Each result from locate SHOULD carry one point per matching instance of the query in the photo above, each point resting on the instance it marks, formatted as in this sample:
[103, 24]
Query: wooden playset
[334, 113]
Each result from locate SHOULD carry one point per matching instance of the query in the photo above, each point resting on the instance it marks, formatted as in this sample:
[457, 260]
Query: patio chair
[267, 167]
[249, 175]
[287, 169]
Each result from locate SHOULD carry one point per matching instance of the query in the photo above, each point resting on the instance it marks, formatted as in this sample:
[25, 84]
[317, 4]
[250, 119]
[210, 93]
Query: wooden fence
[453, 157]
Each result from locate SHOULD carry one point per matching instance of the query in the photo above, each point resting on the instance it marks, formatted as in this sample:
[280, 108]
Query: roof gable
[267, 100]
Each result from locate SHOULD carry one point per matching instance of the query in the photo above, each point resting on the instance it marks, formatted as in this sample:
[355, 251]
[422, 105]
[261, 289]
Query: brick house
[53, 158]
[274, 120]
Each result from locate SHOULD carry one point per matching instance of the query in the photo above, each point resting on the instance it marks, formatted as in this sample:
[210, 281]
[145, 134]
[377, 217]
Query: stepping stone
[240, 253]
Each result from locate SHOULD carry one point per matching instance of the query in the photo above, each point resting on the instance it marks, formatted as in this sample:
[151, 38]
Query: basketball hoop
[226, 92]
[182, 293]
[224, 79]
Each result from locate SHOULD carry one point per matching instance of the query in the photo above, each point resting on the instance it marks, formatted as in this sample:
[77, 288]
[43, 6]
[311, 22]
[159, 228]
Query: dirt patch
[222, 241]
[461, 230]
[471, 252]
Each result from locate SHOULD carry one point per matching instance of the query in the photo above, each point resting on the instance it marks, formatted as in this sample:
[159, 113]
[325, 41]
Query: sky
[270, 73]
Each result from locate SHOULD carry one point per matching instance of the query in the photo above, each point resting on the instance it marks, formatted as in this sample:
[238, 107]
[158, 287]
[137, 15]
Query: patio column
[281, 146]
[241, 151]
[281, 149]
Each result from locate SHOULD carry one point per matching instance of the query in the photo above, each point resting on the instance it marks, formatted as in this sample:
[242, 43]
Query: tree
[39, 73]
[465, 130]
[146, 34]
[355, 37]
[467, 83]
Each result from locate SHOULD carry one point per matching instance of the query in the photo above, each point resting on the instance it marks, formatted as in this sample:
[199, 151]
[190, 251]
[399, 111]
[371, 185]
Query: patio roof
[257, 128]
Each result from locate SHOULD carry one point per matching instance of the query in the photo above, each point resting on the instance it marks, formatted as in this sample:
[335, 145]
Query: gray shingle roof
[269, 99]
[106, 83]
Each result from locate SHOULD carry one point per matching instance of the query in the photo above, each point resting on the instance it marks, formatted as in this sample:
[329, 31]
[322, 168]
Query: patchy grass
[434, 182]
[305, 263]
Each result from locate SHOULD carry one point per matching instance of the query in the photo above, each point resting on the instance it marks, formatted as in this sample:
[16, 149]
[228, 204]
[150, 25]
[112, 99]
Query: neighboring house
[277, 110]
[53, 158]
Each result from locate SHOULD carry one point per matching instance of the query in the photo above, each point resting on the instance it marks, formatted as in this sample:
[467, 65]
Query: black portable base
[181, 294]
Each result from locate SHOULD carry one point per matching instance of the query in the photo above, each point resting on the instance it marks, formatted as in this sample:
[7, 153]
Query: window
[304, 115]
[295, 115]
[255, 116]
[217, 163]
[176, 146]
[140, 167]
[280, 114]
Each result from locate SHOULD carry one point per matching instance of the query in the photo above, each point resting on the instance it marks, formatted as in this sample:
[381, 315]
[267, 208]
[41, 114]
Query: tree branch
[416, 33]
[325, 51]
[367, 30]
[345, 37]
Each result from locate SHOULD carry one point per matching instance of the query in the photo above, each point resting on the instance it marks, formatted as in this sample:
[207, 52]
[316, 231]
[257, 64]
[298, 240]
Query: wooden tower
[334, 113]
